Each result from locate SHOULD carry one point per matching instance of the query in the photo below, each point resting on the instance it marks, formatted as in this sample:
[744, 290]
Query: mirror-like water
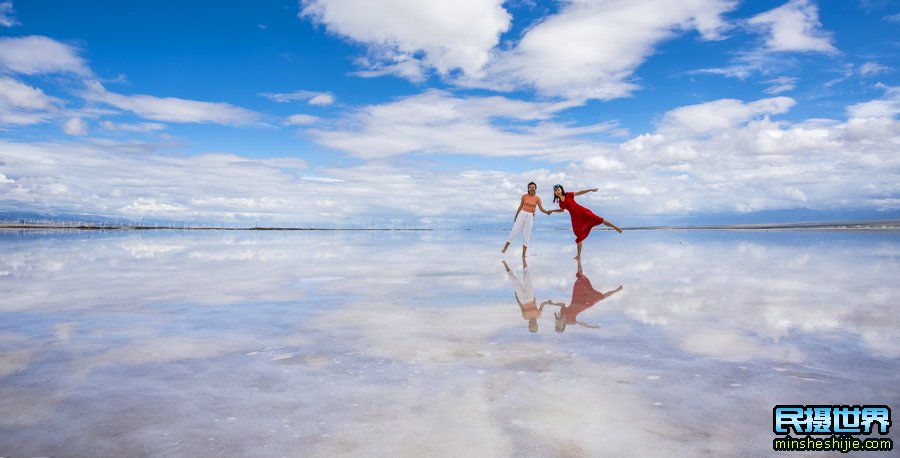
[422, 343]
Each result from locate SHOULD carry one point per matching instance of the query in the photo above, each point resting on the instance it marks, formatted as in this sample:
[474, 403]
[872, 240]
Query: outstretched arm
[610, 293]
[561, 304]
[541, 206]
[592, 326]
[586, 191]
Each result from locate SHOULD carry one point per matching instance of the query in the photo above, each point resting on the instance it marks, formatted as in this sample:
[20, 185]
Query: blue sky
[438, 113]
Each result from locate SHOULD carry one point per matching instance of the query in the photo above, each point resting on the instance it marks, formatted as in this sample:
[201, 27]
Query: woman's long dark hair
[555, 197]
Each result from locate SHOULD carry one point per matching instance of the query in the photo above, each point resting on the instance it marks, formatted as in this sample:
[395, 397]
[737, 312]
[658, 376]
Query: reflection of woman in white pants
[524, 220]
[525, 296]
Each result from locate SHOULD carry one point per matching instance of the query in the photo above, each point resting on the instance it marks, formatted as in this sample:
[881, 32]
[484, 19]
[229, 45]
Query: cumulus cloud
[436, 122]
[720, 156]
[591, 49]
[722, 114]
[151, 207]
[172, 109]
[886, 107]
[75, 126]
[109, 180]
[21, 104]
[6, 15]
[313, 98]
[115, 178]
[407, 36]
[794, 27]
[752, 164]
[38, 55]
[791, 28]
[747, 162]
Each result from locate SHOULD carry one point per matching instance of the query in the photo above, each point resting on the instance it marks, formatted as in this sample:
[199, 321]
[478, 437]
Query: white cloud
[436, 122]
[747, 63]
[314, 98]
[781, 84]
[722, 114]
[895, 18]
[6, 15]
[794, 27]
[151, 207]
[300, 120]
[21, 104]
[113, 178]
[142, 127]
[744, 164]
[37, 55]
[722, 155]
[440, 34]
[322, 100]
[591, 49]
[75, 126]
[873, 68]
[603, 164]
[887, 107]
[172, 109]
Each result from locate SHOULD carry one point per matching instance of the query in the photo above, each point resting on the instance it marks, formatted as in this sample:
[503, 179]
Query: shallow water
[413, 343]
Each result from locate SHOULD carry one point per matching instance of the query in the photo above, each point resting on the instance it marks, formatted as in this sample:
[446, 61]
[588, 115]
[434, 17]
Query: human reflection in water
[525, 296]
[584, 296]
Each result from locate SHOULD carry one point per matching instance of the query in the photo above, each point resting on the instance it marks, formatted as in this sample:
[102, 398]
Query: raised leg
[578, 256]
[610, 224]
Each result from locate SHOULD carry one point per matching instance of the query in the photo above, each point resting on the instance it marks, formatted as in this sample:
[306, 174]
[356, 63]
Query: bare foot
[618, 230]
[577, 257]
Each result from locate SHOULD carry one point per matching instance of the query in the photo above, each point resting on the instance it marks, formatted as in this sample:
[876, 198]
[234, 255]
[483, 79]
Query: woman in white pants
[524, 220]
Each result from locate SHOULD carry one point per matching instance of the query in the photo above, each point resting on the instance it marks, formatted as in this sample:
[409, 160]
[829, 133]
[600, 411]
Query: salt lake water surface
[415, 343]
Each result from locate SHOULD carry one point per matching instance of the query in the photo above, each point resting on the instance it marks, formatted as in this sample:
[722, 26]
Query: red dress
[583, 220]
[584, 296]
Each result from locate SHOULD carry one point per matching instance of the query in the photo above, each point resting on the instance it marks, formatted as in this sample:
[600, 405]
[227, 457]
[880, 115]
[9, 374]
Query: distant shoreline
[843, 225]
[83, 227]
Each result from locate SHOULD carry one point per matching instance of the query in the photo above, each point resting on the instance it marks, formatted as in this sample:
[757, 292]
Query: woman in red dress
[583, 220]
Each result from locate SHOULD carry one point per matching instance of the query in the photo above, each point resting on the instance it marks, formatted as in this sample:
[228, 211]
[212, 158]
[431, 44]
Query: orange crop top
[529, 202]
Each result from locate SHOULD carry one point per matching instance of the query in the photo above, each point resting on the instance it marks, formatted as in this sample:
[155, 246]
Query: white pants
[525, 221]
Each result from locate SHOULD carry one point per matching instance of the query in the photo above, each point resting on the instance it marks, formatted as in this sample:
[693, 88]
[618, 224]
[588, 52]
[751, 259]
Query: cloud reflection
[309, 341]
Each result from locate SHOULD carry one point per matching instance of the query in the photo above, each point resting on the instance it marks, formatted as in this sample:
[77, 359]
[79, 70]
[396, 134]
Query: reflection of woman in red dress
[583, 220]
[584, 296]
